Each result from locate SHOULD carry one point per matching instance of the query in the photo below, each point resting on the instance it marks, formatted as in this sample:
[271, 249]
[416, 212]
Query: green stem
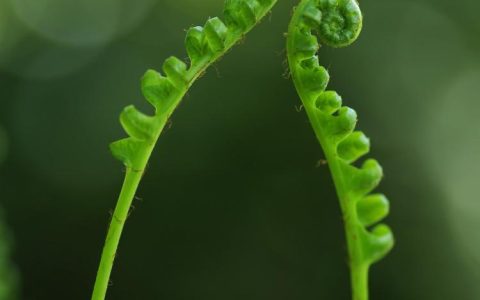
[357, 264]
[359, 277]
[130, 185]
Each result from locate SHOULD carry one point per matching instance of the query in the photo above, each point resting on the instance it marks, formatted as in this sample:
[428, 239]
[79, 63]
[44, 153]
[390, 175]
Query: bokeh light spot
[453, 149]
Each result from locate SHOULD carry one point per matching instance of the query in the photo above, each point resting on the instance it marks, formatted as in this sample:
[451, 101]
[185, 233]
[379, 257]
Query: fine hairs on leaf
[204, 45]
[337, 23]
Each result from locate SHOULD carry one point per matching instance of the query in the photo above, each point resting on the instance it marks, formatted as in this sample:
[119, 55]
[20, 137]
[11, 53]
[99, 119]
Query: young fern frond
[204, 46]
[337, 23]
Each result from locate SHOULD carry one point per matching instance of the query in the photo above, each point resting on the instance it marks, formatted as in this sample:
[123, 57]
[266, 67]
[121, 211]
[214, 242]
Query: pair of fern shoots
[336, 23]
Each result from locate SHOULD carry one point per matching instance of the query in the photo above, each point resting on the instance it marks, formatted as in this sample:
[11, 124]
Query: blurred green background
[233, 205]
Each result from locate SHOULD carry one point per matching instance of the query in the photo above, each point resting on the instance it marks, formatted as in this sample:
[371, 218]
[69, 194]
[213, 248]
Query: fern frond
[204, 46]
[337, 23]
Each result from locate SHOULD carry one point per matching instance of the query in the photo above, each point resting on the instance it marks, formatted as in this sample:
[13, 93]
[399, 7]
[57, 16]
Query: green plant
[204, 45]
[338, 23]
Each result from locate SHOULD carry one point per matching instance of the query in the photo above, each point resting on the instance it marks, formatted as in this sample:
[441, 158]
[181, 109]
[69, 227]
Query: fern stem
[120, 215]
[359, 278]
[357, 264]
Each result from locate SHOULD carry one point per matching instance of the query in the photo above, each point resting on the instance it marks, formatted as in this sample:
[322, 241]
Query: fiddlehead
[204, 46]
[337, 23]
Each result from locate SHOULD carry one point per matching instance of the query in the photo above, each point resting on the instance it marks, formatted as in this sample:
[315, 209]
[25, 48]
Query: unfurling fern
[337, 23]
[204, 45]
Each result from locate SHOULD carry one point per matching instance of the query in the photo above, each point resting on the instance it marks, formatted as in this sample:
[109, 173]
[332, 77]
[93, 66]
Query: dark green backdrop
[233, 205]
